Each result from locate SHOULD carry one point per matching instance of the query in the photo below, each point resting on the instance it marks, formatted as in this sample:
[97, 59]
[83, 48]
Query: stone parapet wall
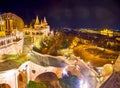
[11, 45]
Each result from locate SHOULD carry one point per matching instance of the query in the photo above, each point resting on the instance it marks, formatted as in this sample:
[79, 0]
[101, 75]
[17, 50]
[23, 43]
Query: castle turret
[41, 23]
[36, 22]
[45, 22]
[2, 24]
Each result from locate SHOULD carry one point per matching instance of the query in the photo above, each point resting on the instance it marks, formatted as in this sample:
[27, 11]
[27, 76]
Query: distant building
[107, 32]
[42, 24]
[40, 27]
[9, 22]
[116, 33]
[11, 37]
[12, 44]
[2, 27]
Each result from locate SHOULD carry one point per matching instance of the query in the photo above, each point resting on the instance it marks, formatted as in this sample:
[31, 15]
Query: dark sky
[67, 13]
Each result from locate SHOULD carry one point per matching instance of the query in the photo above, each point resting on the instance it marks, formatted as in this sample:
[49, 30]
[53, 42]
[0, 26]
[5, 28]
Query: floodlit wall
[11, 45]
[8, 77]
[32, 71]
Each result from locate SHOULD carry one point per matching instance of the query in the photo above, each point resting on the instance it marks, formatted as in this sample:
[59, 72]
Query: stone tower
[2, 24]
[37, 23]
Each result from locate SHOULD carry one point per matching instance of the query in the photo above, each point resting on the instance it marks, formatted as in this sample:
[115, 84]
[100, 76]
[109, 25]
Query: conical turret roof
[37, 21]
[45, 20]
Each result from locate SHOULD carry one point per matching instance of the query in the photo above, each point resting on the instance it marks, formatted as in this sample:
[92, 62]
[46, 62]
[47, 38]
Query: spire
[45, 20]
[37, 21]
[41, 23]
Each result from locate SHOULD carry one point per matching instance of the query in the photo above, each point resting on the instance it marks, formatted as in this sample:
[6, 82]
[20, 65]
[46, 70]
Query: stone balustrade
[11, 44]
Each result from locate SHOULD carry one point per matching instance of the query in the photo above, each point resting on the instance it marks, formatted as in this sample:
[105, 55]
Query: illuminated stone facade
[39, 28]
[2, 27]
[18, 78]
[42, 24]
[12, 44]
[9, 22]
[107, 32]
[2, 24]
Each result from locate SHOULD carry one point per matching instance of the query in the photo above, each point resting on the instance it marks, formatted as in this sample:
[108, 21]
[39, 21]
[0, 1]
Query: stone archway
[4, 85]
[49, 77]
[22, 79]
[37, 33]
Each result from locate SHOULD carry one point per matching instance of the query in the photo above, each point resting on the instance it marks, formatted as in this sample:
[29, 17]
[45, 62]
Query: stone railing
[11, 44]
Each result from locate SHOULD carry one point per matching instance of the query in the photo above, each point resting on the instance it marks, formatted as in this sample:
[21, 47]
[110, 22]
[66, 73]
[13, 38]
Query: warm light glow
[28, 54]
[83, 84]
[32, 46]
[65, 71]
[8, 73]
[88, 63]
[82, 60]
[107, 32]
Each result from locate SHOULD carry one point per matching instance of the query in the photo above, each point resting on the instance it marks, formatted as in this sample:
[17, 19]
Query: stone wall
[11, 45]
[32, 71]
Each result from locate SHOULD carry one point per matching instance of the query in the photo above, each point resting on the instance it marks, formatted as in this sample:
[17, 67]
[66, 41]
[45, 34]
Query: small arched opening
[37, 33]
[49, 77]
[27, 33]
[22, 79]
[33, 33]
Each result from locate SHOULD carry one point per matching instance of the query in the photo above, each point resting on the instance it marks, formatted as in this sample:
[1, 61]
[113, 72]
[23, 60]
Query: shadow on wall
[49, 77]
[4, 85]
[22, 79]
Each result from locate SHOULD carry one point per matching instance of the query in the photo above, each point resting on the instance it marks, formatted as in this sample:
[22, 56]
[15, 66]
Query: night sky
[67, 13]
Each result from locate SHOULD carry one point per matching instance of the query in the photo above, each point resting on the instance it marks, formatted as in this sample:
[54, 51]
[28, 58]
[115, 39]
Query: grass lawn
[12, 61]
